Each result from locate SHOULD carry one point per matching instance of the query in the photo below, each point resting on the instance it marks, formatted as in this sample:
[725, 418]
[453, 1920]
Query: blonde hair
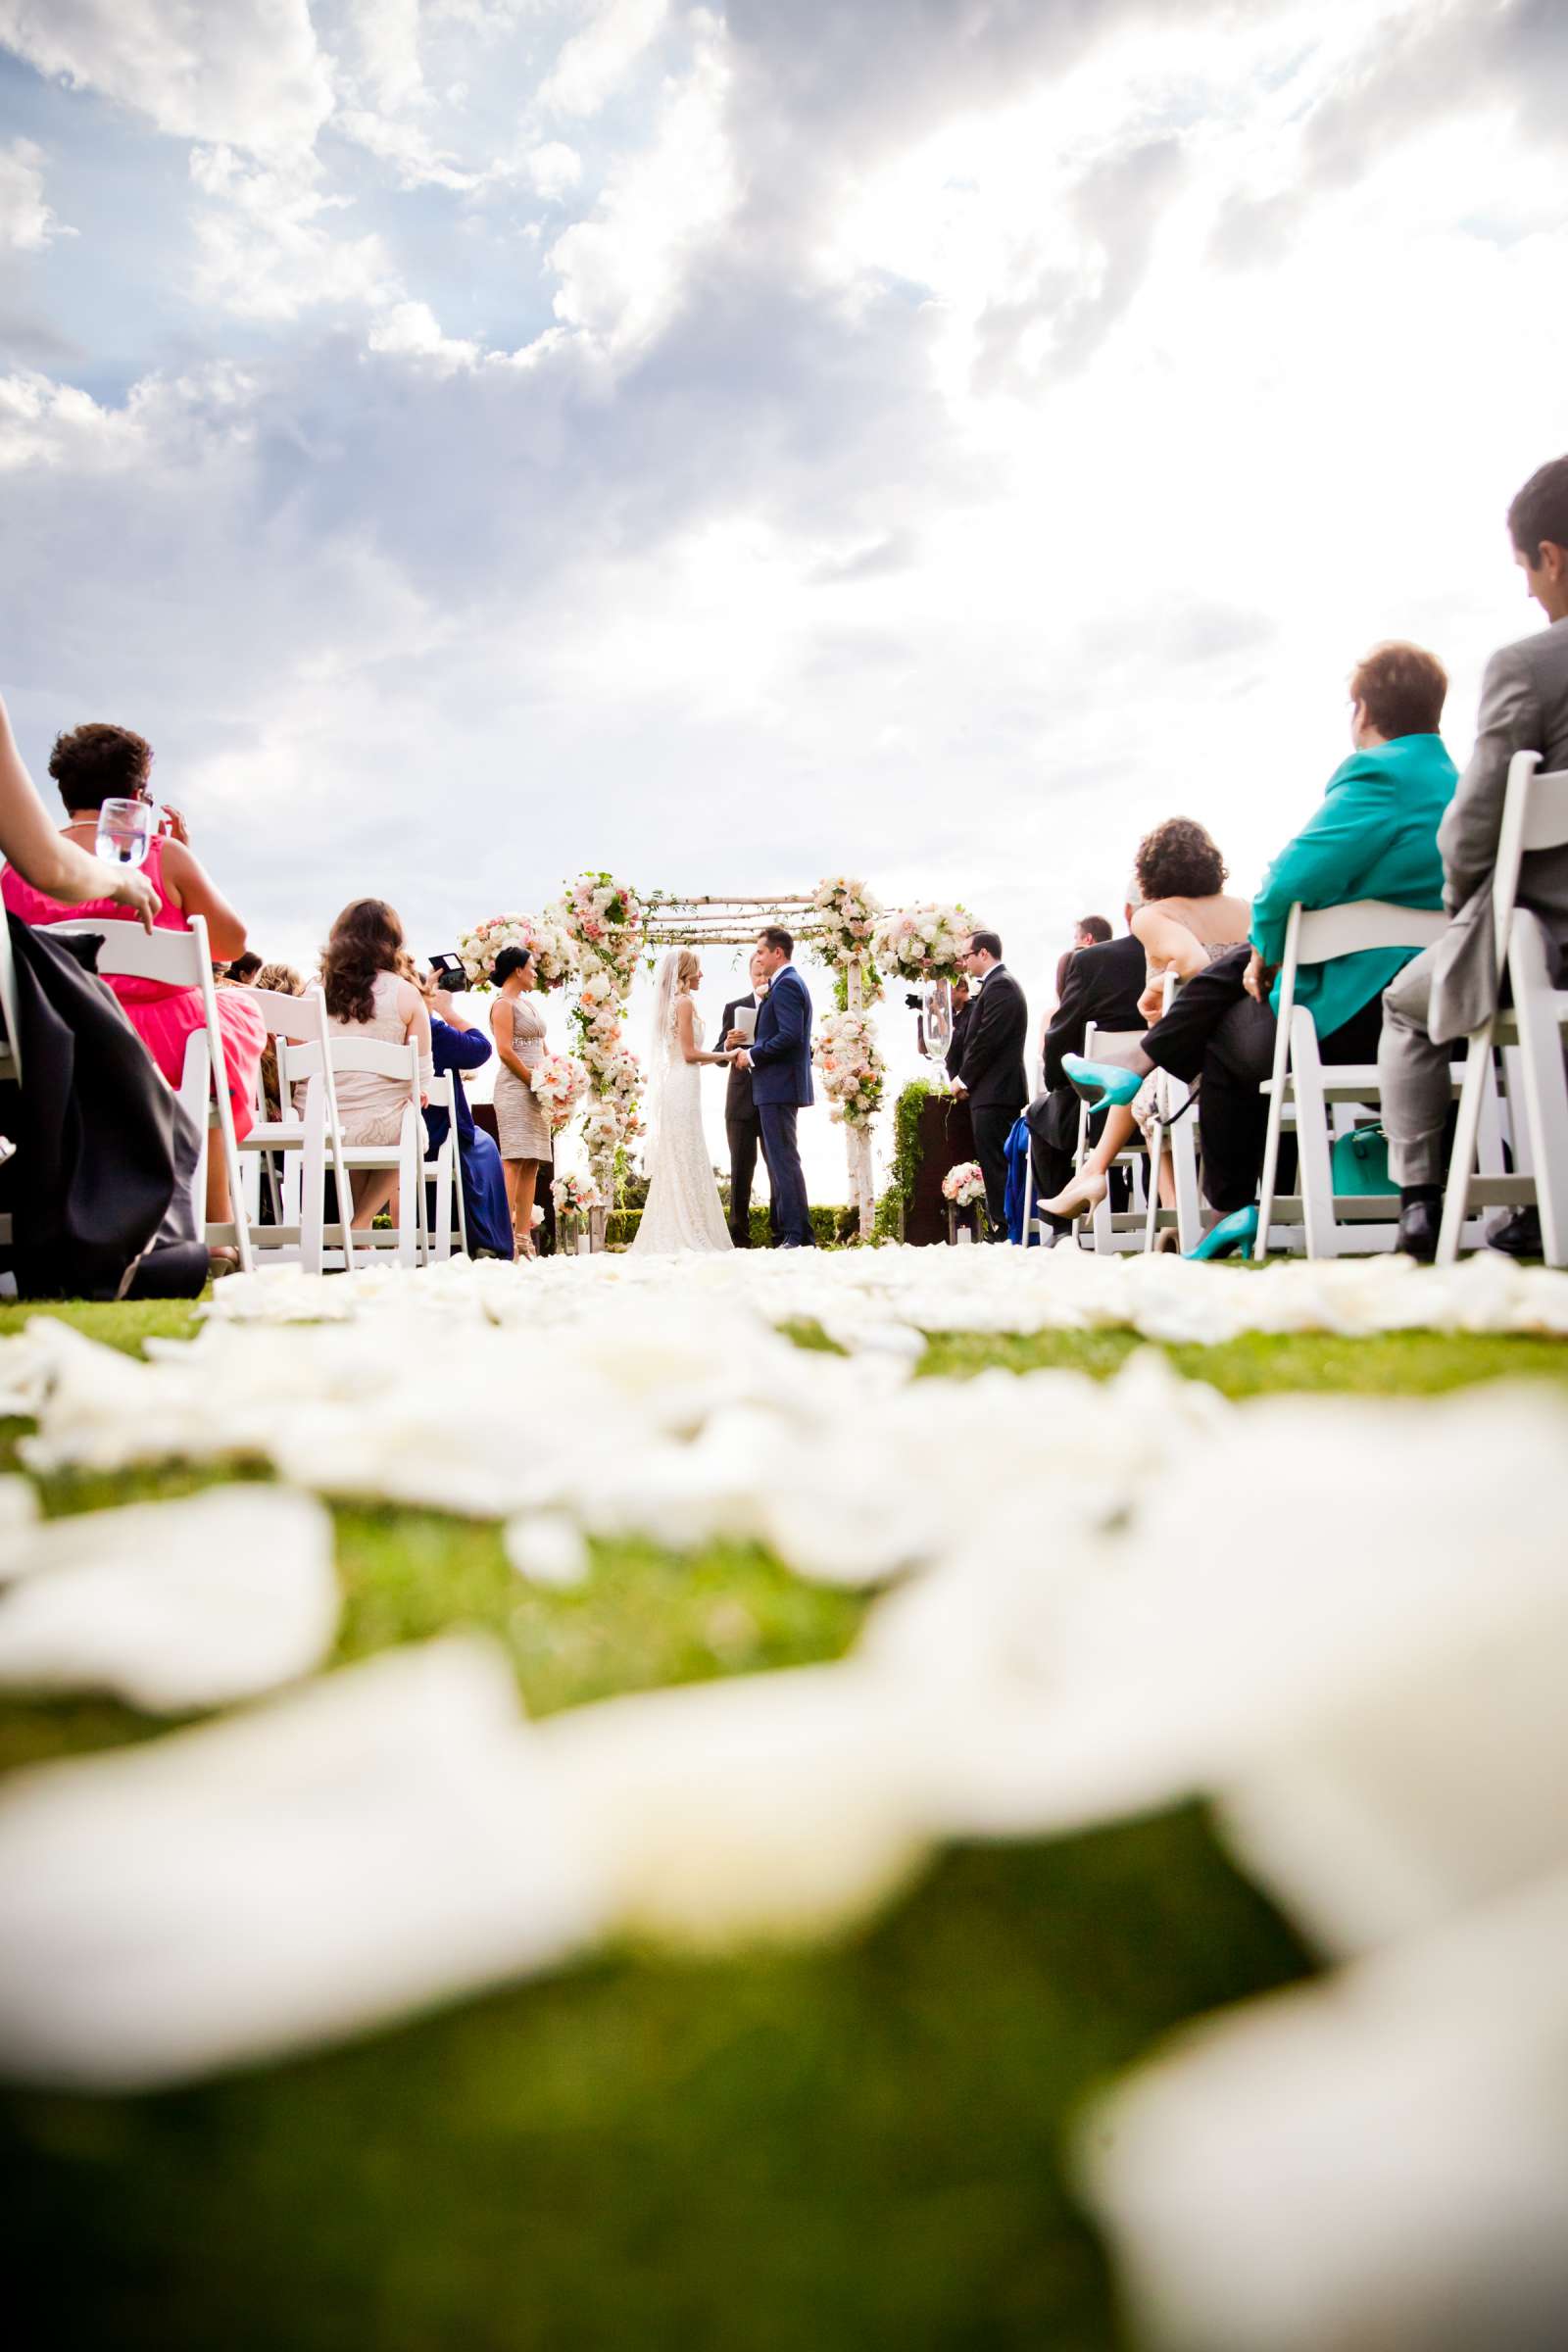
[687, 967]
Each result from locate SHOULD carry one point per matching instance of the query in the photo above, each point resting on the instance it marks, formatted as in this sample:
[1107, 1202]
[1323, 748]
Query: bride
[683, 1210]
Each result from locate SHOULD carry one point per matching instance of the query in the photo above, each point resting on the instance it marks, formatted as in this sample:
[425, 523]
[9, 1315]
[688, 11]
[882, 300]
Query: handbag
[1359, 1162]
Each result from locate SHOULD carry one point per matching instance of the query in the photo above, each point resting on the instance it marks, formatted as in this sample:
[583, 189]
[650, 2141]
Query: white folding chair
[442, 1173]
[1534, 816]
[1112, 1230]
[308, 1063]
[1175, 1132]
[298, 1228]
[1322, 1096]
[182, 960]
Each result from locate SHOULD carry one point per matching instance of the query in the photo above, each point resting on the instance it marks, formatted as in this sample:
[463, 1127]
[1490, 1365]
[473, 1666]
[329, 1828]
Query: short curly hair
[98, 763]
[1179, 860]
[1402, 689]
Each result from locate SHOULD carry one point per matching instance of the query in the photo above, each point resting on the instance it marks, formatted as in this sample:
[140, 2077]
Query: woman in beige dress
[368, 995]
[521, 1127]
[1187, 918]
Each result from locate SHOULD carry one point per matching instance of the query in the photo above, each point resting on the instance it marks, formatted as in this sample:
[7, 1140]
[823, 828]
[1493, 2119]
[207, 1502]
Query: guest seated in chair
[1450, 988]
[1374, 836]
[455, 1045]
[1186, 920]
[94, 763]
[368, 995]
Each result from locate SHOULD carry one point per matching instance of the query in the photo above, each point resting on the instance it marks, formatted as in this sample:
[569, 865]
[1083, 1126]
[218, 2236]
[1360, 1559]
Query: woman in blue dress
[456, 1047]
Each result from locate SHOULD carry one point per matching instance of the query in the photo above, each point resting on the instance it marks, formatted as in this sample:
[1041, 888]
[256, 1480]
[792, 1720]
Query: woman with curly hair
[364, 967]
[99, 763]
[1374, 835]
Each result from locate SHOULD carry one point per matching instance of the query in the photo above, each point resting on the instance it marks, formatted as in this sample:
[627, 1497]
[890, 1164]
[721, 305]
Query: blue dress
[484, 1187]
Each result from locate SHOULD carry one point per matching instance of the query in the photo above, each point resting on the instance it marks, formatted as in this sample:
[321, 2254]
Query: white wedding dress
[683, 1210]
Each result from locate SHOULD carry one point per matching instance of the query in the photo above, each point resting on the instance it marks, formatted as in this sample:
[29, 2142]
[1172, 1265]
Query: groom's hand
[743, 1060]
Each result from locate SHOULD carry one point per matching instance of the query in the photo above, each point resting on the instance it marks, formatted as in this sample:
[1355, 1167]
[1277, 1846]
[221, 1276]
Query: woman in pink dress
[95, 763]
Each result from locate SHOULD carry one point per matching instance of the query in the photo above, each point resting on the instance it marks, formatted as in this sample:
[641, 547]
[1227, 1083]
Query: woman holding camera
[521, 1126]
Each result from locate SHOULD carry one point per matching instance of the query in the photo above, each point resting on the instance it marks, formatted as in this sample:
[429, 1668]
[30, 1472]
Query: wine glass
[125, 831]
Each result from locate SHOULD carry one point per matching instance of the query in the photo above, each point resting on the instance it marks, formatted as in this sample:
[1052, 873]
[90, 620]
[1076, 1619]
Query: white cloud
[411, 330]
[621, 270]
[26, 224]
[554, 170]
[417, 161]
[386, 34]
[265, 246]
[248, 73]
[595, 62]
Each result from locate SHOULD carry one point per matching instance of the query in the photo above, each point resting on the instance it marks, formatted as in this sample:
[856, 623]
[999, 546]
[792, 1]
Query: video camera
[450, 974]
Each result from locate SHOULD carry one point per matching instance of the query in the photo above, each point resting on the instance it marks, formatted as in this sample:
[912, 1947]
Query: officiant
[741, 1123]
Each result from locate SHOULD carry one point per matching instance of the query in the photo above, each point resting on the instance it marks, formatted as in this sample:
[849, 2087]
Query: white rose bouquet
[923, 943]
[560, 1084]
[844, 1057]
[964, 1183]
[551, 951]
[574, 1196]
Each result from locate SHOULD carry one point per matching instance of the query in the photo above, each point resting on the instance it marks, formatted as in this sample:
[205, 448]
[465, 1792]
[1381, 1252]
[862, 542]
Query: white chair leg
[1184, 1167]
[311, 1179]
[1312, 1140]
[1156, 1155]
[1546, 1091]
[1271, 1141]
[1461, 1165]
[443, 1203]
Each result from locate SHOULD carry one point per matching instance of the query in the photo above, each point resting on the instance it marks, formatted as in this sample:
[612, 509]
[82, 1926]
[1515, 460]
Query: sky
[478, 440]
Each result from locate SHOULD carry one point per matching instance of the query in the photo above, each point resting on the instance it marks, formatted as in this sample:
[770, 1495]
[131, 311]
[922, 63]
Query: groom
[779, 1059]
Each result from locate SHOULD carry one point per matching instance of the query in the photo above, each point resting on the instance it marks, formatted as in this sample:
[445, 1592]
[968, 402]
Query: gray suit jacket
[1524, 708]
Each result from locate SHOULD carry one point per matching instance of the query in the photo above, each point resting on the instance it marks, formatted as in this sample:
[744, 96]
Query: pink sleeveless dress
[162, 1018]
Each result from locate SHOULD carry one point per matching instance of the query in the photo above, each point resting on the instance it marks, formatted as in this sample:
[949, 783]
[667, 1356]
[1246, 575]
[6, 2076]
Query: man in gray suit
[1451, 988]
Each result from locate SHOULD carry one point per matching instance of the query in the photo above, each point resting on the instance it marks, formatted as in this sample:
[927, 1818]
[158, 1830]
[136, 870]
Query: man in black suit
[991, 1073]
[743, 1127]
[1102, 985]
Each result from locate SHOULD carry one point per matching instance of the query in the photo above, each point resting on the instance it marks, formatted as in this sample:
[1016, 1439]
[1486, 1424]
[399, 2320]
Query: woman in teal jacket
[1375, 836]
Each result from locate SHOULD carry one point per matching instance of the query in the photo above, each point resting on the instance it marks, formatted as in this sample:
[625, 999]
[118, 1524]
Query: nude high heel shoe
[1076, 1200]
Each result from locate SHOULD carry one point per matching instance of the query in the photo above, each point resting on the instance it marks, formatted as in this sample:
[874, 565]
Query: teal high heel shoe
[1238, 1231]
[1100, 1081]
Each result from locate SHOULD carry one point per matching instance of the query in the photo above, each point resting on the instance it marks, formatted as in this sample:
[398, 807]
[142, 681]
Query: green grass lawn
[855, 2146]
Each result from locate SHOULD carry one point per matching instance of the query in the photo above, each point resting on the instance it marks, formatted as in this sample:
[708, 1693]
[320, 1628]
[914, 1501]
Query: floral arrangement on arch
[964, 1183]
[848, 910]
[554, 957]
[923, 943]
[575, 1195]
[604, 918]
[560, 1084]
[844, 1057]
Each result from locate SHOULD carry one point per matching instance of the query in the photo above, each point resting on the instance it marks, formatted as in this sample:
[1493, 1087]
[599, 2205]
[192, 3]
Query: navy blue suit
[484, 1187]
[781, 1086]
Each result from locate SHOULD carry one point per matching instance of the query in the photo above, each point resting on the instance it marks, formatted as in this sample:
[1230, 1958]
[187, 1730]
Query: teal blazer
[1374, 837]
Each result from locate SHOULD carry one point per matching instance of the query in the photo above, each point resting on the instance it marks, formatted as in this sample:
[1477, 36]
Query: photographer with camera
[455, 1045]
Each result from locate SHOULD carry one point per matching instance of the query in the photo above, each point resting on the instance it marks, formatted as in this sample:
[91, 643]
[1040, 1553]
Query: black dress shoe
[1517, 1236]
[1419, 1227]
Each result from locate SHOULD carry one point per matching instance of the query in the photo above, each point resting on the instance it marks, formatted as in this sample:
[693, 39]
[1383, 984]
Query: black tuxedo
[991, 1073]
[743, 1132]
[1103, 984]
